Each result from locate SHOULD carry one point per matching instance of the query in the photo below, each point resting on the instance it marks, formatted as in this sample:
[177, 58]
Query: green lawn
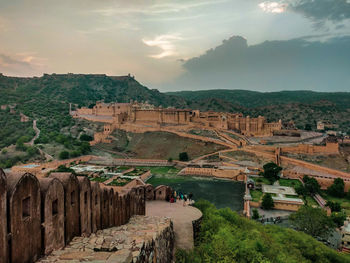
[256, 195]
[162, 170]
[261, 180]
[310, 201]
[290, 182]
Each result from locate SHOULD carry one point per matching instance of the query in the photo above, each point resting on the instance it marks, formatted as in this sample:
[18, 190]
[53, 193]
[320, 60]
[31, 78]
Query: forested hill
[80, 89]
[251, 99]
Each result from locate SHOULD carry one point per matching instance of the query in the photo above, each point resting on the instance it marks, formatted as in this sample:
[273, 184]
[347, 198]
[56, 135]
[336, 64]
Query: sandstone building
[143, 115]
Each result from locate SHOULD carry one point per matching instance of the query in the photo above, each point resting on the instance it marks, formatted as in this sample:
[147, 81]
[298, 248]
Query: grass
[344, 203]
[311, 201]
[120, 182]
[155, 180]
[290, 182]
[262, 180]
[161, 170]
[256, 195]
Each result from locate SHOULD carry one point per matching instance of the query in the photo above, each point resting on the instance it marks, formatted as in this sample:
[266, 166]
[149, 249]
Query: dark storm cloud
[272, 65]
[333, 10]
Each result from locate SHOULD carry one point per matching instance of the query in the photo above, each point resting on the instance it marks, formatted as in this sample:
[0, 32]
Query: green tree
[338, 218]
[308, 127]
[255, 214]
[86, 138]
[334, 206]
[312, 221]
[311, 185]
[267, 202]
[271, 171]
[337, 188]
[183, 157]
[64, 155]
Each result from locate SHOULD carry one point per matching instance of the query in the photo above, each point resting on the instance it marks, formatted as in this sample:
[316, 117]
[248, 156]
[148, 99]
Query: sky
[184, 44]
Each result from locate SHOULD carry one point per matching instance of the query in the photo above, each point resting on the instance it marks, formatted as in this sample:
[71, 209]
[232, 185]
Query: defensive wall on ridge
[40, 215]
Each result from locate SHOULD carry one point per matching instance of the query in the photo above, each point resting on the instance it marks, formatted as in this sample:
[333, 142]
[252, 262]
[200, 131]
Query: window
[160, 192]
[26, 207]
[85, 198]
[55, 207]
[72, 198]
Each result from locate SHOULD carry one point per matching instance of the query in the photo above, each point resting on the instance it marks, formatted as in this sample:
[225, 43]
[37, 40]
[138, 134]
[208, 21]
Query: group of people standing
[178, 196]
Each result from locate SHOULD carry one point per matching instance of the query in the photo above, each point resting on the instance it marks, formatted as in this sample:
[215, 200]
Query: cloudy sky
[184, 44]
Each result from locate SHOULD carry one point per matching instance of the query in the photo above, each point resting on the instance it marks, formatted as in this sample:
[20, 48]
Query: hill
[47, 99]
[227, 237]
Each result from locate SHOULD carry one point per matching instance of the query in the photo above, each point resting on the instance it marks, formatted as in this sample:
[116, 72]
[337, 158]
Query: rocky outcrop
[143, 239]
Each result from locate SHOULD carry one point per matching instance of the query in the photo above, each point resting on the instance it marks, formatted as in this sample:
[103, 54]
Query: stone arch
[52, 214]
[23, 199]
[71, 204]
[95, 207]
[3, 218]
[162, 192]
[104, 207]
[85, 205]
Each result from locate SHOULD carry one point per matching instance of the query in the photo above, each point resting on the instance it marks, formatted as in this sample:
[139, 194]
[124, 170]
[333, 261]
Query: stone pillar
[104, 207]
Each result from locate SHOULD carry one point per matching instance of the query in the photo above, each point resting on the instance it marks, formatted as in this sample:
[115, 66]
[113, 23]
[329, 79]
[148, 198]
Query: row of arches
[38, 216]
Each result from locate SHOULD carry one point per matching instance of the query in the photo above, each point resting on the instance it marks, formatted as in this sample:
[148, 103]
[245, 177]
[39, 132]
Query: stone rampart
[45, 214]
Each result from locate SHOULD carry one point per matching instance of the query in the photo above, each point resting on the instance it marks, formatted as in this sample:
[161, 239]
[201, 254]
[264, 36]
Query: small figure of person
[185, 200]
[190, 196]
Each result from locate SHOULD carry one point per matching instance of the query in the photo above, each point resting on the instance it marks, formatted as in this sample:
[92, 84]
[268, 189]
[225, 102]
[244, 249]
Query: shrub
[183, 157]
[267, 202]
[64, 155]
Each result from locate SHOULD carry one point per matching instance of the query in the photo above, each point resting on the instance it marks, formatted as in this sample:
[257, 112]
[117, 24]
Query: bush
[86, 138]
[267, 202]
[334, 206]
[337, 188]
[255, 214]
[64, 155]
[311, 185]
[271, 171]
[183, 157]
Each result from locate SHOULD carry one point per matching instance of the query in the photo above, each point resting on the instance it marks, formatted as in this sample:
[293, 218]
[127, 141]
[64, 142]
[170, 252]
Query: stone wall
[39, 215]
[143, 239]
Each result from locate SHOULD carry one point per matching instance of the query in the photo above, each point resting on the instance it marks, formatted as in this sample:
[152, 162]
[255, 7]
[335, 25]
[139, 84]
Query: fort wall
[46, 214]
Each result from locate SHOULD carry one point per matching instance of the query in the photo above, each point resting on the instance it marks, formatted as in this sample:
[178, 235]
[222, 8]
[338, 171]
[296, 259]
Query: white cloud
[165, 43]
[273, 7]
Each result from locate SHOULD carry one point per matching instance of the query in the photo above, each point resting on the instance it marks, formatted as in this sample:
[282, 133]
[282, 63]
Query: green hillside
[227, 237]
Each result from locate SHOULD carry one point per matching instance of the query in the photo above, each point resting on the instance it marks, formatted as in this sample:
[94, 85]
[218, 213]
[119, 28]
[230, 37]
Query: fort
[41, 215]
[139, 117]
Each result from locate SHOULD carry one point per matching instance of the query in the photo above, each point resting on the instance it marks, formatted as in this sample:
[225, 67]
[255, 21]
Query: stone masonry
[143, 239]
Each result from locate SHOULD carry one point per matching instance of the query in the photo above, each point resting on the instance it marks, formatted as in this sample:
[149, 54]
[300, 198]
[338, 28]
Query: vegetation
[267, 202]
[271, 172]
[183, 157]
[312, 221]
[337, 188]
[227, 237]
[312, 187]
[255, 214]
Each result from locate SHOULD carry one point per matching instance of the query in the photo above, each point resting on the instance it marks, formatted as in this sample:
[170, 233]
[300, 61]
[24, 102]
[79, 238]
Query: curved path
[182, 217]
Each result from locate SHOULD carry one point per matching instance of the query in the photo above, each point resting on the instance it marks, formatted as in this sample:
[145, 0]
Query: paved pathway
[182, 217]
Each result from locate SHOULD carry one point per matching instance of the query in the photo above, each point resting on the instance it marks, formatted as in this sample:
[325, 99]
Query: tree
[86, 138]
[338, 218]
[255, 214]
[170, 160]
[334, 206]
[267, 202]
[337, 188]
[183, 157]
[64, 155]
[271, 171]
[311, 185]
[312, 221]
[308, 127]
